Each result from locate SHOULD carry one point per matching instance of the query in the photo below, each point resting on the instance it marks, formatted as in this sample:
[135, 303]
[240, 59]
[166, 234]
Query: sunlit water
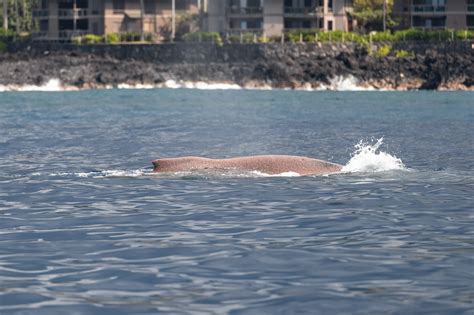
[87, 228]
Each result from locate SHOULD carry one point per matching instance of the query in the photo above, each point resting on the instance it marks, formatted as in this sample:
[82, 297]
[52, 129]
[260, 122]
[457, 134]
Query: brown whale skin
[268, 164]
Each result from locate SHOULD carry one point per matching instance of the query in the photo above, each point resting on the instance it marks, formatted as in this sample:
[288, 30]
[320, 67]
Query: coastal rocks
[297, 66]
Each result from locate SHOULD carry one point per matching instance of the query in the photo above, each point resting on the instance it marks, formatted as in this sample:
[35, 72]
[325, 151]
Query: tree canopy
[369, 14]
[20, 16]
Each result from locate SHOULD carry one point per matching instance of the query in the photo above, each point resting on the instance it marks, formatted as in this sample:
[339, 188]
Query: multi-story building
[435, 14]
[63, 19]
[272, 17]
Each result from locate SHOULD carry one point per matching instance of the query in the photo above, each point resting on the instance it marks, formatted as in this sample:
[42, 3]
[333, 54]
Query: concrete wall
[456, 14]
[53, 23]
[273, 17]
[215, 15]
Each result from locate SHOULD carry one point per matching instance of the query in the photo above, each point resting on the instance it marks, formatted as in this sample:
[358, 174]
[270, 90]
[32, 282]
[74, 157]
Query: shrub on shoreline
[212, 37]
[293, 36]
[3, 47]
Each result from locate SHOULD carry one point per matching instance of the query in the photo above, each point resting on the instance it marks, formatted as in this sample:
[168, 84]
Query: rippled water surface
[86, 228]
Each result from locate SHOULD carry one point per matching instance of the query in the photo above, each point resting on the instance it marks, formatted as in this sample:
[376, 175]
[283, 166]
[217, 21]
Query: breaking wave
[339, 83]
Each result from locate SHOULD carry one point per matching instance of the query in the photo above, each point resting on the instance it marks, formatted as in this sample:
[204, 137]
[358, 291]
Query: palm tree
[142, 19]
[5, 15]
[173, 19]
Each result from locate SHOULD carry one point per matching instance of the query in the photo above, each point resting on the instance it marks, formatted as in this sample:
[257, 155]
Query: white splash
[345, 83]
[284, 174]
[53, 85]
[368, 158]
[101, 174]
[125, 86]
[172, 84]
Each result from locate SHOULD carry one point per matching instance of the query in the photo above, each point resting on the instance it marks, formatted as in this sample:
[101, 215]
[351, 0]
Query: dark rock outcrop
[254, 65]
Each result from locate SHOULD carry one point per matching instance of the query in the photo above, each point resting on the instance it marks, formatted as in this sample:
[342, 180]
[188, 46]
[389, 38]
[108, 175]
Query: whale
[268, 164]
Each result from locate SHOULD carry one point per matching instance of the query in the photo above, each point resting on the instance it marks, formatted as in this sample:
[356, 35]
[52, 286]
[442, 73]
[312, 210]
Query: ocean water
[87, 228]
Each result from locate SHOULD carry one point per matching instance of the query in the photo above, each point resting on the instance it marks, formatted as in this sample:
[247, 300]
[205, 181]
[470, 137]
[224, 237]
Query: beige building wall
[215, 15]
[53, 22]
[219, 17]
[455, 14]
[273, 22]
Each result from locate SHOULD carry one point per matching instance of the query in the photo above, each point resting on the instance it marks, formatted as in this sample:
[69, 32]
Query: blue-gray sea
[87, 228]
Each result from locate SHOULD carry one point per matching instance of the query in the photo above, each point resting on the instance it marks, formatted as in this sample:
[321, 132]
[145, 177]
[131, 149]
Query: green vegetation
[3, 47]
[404, 53]
[112, 38]
[6, 36]
[383, 51]
[212, 37]
[20, 15]
[369, 14]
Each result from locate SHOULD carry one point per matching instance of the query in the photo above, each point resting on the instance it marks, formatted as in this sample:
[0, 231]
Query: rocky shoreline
[447, 66]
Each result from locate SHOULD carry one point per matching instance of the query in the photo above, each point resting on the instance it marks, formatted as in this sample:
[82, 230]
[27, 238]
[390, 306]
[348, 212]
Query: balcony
[40, 14]
[425, 8]
[302, 11]
[78, 13]
[68, 34]
[245, 11]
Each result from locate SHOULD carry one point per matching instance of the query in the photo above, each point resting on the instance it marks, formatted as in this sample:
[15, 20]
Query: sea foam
[339, 83]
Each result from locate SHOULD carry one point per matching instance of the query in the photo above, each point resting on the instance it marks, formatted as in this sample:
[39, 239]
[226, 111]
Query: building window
[44, 25]
[253, 3]
[297, 24]
[330, 25]
[118, 6]
[330, 5]
[429, 23]
[66, 25]
[82, 24]
[65, 5]
[150, 7]
[470, 21]
[82, 4]
[181, 4]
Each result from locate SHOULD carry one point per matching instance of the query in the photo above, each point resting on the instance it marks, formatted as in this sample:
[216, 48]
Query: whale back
[269, 164]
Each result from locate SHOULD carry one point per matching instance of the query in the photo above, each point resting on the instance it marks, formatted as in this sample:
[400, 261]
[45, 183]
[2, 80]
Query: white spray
[368, 158]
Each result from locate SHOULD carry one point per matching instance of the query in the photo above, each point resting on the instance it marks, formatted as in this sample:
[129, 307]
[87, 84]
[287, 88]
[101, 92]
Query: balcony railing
[77, 12]
[302, 11]
[423, 8]
[246, 10]
[67, 34]
[40, 35]
[40, 13]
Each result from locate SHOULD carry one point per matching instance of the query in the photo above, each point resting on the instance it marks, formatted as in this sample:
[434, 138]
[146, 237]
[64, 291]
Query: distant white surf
[348, 83]
[367, 158]
[53, 85]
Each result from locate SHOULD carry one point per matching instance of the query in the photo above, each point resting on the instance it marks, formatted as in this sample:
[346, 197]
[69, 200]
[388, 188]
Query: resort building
[273, 17]
[435, 14]
[64, 19]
